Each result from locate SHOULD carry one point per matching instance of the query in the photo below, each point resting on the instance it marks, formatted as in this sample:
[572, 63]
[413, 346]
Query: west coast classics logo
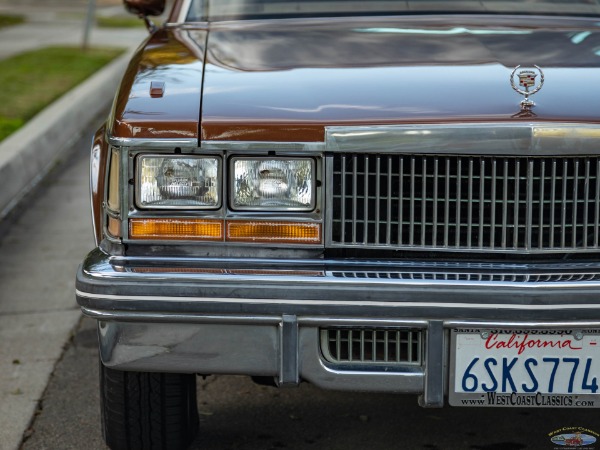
[527, 82]
[574, 437]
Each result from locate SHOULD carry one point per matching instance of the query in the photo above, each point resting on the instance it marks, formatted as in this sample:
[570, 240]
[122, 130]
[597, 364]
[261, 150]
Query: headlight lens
[177, 182]
[273, 184]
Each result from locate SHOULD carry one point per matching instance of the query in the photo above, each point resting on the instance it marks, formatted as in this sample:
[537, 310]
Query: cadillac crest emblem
[524, 81]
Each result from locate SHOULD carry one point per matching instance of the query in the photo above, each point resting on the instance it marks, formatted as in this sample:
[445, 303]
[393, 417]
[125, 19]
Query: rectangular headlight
[268, 184]
[178, 182]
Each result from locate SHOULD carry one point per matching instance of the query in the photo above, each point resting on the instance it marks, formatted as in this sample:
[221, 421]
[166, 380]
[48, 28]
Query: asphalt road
[234, 412]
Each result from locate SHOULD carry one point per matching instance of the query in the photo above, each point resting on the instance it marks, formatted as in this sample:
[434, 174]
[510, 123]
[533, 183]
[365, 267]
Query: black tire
[146, 410]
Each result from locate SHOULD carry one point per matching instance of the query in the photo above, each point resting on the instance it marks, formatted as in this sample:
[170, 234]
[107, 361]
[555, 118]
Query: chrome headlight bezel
[177, 204]
[271, 205]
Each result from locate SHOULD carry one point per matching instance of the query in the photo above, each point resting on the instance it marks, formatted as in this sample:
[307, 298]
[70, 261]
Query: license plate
[532, 368]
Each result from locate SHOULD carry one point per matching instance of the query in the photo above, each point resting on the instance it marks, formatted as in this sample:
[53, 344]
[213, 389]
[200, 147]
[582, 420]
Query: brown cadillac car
[392, 196]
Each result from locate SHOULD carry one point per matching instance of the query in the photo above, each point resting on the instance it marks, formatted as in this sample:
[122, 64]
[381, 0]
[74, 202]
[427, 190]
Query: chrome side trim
[259, 146]
[308, 321]
[362, 303]
[128, 316]
[358, 265]
[364, 321]
[152, 143]
[524, 139]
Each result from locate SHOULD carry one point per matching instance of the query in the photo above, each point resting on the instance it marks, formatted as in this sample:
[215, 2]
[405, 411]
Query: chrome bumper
[231, 316]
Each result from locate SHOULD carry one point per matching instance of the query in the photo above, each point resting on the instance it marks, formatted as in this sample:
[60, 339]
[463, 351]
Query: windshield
[216, 10]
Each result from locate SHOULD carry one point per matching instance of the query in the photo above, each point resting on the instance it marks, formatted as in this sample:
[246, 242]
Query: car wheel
[146, 410]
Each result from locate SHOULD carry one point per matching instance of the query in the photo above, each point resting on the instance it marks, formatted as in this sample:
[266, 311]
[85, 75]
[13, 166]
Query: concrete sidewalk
[38, 312]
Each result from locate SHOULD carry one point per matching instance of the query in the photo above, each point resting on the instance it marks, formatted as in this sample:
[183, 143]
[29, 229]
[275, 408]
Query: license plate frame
[492, 346]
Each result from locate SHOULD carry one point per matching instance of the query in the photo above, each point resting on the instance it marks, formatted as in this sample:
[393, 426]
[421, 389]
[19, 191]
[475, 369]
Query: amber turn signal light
[269, 232]
[176, 229]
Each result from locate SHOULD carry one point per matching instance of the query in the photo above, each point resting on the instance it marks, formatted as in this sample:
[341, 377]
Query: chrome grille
[370, 346]
[483, 277]
[452, 202]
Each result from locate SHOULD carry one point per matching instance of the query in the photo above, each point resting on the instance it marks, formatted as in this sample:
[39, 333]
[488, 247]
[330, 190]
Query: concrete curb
[28, 154]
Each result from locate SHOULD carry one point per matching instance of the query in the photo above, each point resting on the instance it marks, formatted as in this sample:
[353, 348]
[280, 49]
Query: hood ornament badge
[527, 79]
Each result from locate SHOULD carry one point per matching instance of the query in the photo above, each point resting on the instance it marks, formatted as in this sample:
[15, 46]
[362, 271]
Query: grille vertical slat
[412, 199]
[374, 346]
[553, 203]
[458, 202]
[575, 204]
[435, 198]
[505, 205]
[542, 204]
[454, 202]
[492, 243]
[365, 220]
[597, 203]
[563, 205]
[362, 345]
[386, 347]
[377, 196]
[516, 205]
[481, 203]
[470, 205]
[586, 203]
[388, 229]
[400, 201]
[354, 197]
[529, 206]
[350, 344]
[424, 201]
[343, 194]
[447, 205]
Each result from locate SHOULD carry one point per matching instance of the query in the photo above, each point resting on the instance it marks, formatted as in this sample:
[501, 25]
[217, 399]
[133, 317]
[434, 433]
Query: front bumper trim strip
[336, 302]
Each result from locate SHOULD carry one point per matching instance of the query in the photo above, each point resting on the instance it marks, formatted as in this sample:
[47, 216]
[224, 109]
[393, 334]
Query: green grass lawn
[119, 22]
[9, 20]
[32, 80]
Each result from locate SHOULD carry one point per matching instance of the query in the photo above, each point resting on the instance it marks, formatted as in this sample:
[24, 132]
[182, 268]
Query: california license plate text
[548, 374]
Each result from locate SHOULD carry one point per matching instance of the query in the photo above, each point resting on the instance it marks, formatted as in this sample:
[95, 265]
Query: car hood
[286, 80]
